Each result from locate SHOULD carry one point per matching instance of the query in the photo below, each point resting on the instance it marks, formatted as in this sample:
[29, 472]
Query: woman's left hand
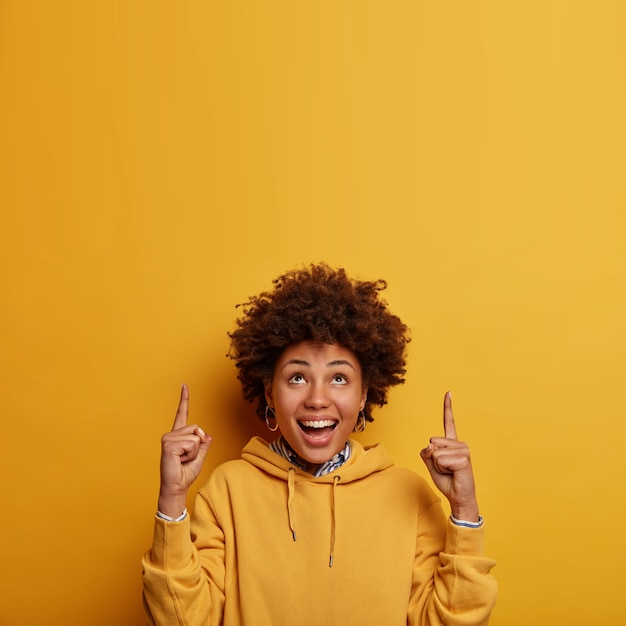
[448, 461]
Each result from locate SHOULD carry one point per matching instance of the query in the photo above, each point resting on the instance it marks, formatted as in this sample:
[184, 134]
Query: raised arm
[176, 589]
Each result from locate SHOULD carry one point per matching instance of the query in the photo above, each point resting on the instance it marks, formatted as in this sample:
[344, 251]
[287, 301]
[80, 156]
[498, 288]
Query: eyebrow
[329, 364]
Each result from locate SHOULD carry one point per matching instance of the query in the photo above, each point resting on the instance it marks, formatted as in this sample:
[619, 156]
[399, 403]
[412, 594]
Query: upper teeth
[318, 423]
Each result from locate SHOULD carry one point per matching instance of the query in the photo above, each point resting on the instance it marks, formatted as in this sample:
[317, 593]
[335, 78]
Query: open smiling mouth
[317, 428]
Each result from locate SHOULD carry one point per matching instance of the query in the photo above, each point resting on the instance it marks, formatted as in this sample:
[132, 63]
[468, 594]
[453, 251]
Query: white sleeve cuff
[462, 522]
[167, 518]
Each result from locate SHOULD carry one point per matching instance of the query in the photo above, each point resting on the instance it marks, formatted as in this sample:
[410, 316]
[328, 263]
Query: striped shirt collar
[281, 447]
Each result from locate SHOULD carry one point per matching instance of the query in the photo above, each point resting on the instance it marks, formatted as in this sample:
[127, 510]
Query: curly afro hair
[319, 303]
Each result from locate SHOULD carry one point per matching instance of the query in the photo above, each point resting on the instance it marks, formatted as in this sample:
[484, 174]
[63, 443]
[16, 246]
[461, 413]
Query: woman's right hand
[182, 454]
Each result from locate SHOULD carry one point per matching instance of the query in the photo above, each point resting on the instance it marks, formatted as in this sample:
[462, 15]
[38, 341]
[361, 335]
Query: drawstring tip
[293, 534]
[331, 560]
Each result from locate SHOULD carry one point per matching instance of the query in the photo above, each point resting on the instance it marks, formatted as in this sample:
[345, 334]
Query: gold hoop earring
[269, 417]
[361, 422]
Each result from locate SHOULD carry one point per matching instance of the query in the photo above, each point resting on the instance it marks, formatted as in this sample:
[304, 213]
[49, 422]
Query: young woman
[312, 527]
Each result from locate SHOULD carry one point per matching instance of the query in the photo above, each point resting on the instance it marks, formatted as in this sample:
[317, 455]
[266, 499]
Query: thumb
[205, 442]
[426, 455]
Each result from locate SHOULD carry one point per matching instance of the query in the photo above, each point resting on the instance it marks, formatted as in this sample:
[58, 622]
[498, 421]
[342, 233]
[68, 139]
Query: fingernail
[202, 433]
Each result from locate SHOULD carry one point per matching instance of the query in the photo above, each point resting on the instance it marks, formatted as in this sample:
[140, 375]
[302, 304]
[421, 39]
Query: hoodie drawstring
[291, 510]
[290, 506]
[331, 558]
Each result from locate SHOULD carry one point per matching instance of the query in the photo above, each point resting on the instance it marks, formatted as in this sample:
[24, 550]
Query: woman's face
[317, 392]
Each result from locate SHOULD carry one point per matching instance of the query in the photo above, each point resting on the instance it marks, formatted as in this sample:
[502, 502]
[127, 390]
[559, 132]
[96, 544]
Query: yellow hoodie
[269, 544]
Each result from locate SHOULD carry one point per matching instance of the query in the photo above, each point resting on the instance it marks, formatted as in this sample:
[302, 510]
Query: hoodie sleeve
[452, 583]
[178, 586]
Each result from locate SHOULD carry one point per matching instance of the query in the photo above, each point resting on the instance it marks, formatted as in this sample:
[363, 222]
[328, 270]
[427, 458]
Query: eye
[297, 379]
[340, 379]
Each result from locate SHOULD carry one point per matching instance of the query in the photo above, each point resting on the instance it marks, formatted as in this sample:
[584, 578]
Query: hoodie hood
[364, 461]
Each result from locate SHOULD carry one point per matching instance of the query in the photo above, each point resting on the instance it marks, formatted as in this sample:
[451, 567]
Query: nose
[318, 397]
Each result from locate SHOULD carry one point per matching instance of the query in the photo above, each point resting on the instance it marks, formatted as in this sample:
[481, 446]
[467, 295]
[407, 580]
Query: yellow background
[160, 162]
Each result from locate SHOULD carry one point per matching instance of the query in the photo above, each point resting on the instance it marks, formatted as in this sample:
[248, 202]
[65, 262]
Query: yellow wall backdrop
[160, 162]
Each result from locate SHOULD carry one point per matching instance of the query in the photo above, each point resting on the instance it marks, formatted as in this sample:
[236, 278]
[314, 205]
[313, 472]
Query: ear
[364, 397]
[268, 394]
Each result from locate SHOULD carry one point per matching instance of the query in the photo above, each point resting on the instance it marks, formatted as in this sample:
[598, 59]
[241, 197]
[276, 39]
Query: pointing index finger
[183, 409]
[449, 427]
